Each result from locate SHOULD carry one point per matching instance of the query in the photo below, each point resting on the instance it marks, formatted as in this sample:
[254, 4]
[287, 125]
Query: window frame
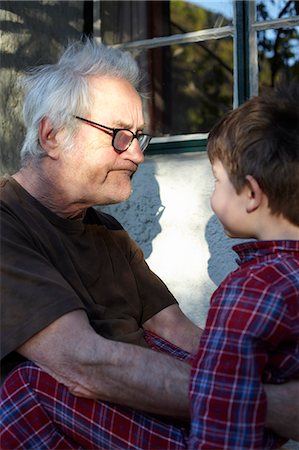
[243, 31]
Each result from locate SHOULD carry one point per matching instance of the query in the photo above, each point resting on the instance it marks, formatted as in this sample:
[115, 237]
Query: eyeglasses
[122, 138]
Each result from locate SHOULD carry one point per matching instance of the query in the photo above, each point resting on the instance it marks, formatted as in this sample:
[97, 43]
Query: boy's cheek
[213, 201]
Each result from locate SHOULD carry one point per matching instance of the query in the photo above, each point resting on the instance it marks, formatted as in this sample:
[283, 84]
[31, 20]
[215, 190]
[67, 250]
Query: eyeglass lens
[123, 139]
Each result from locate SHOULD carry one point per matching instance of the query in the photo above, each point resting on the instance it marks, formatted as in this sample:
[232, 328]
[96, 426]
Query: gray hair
[60, 91]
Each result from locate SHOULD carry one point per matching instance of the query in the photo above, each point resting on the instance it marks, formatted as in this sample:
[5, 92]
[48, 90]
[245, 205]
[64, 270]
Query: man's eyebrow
[128, 126]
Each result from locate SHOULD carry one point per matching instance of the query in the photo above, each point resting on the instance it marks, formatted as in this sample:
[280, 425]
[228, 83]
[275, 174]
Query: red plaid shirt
[251, 337]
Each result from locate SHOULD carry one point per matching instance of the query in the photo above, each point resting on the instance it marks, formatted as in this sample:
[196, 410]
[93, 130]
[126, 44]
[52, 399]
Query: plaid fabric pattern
[251, 336]
[161, 345]
[39, 413]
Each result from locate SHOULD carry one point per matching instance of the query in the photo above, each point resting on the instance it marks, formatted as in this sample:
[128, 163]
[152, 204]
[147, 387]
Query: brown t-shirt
[52, 266]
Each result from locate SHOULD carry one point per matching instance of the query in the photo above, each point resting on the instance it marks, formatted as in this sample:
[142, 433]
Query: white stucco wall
[169, 215]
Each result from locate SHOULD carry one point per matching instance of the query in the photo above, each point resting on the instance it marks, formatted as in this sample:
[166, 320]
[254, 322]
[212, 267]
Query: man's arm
[172, 325]
[94, 367]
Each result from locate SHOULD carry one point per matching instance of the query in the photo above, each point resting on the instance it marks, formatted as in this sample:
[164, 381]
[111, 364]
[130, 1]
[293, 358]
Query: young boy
[252, 330]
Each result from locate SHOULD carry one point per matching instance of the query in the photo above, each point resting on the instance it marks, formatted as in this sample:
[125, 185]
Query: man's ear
[48, 138]
[254, 194]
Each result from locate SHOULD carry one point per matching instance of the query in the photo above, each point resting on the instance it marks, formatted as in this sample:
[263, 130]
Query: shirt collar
[248, 251]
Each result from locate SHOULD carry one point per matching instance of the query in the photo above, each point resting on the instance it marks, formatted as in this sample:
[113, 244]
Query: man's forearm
[139, 378]
[173, 325]
[94, 367]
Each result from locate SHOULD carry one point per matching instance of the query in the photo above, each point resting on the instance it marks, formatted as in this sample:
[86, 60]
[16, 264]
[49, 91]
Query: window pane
[126, 21]
[278, 55]
[189, 87]
[200, 14]
[276, 9]
[278, 49]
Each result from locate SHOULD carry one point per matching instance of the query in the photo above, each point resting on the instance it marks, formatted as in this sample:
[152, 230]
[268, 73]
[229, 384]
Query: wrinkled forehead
[111, 90]
[116, 100]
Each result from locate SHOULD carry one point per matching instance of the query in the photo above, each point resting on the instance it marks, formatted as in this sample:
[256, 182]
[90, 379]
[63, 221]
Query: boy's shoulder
[266, 265]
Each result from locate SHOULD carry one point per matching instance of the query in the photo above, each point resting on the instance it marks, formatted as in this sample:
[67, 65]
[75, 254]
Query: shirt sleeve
[154, 294]
[228, 403]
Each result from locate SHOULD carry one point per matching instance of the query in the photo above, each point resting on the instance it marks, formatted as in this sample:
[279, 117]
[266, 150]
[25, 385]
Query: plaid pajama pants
[39, 413]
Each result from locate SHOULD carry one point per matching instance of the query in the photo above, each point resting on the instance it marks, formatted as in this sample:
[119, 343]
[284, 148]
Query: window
[277, 33]
[200, 58]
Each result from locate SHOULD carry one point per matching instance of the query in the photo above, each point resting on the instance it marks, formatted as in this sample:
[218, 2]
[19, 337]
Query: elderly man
[81, 308]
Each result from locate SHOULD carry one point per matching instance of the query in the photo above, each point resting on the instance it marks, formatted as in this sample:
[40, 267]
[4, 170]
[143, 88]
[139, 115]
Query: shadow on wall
[32, 33]
[141, 213]
[222, 257]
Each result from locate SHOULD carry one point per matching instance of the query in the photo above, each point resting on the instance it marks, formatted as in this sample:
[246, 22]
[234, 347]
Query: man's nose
[134, 152]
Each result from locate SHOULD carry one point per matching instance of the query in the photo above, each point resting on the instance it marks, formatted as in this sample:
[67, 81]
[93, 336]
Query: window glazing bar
[286, 22]
[253, 51]
[179, 138]
[196, 36]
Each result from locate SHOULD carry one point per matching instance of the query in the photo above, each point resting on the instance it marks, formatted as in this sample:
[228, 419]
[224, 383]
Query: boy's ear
[48, 138]
[254, 194]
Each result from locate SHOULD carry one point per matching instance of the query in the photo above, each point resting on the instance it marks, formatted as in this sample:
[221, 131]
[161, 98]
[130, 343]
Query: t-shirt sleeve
[31, 288]
[154, 294]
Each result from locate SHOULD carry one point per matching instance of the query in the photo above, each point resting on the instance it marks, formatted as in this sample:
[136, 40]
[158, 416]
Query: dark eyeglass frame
[142, 138]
